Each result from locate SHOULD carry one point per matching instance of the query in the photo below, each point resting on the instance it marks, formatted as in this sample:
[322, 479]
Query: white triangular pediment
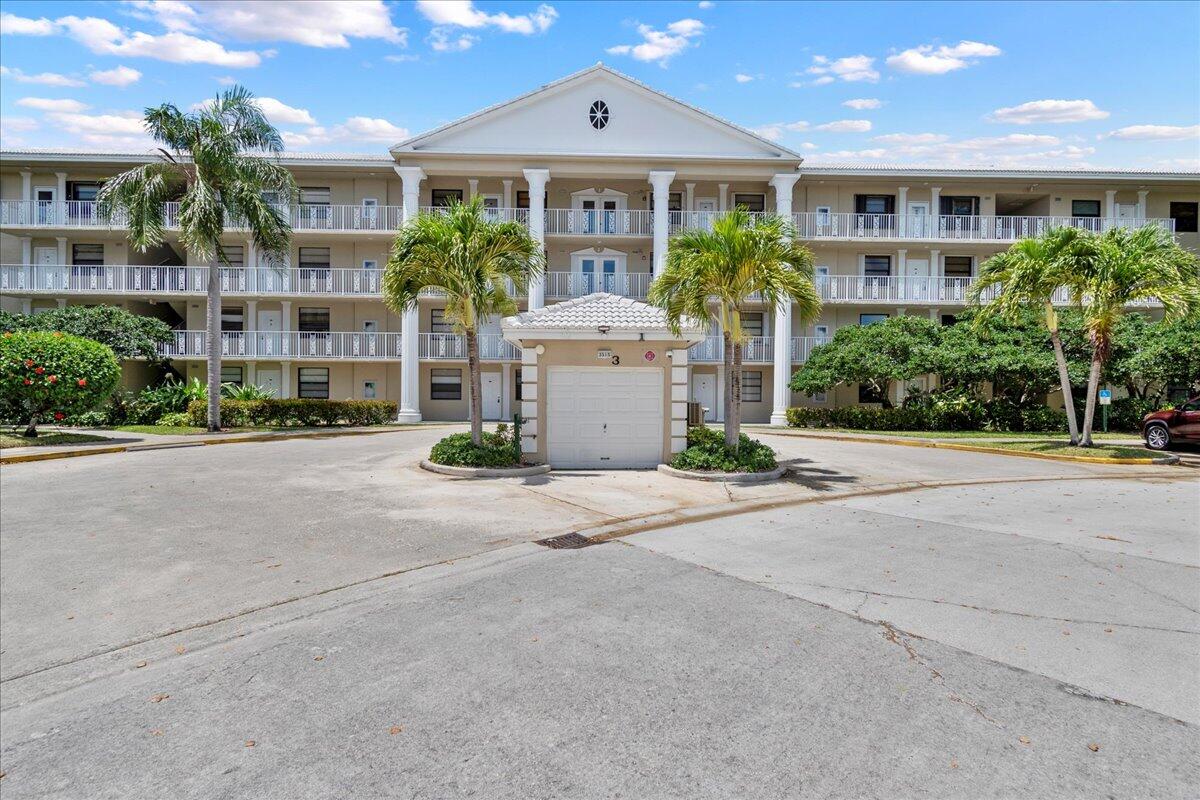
[555, 120]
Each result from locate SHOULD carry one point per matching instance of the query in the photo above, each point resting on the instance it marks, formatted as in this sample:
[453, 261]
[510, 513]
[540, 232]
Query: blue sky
[1005, 84]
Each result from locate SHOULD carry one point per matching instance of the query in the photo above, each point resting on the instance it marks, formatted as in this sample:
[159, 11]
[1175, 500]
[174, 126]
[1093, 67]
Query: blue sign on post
[1105, 397]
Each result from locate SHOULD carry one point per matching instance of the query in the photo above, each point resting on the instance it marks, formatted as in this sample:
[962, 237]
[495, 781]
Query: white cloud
[742, 77]
[42, 78]
[441, 40]
[863, 103]
[775, 130]
[662, 46]
[48, 104]
[872, 154]
[314, 23]
[227, 80]
[369, 129]
[1014, 150]
[706, 4]
[849, 68]
[463, 14]
[926, 60]
[24, 26]
[12, 127]
[1011, 140]
[845, 126]
[282, 114]
[911, 138]
[401, 58]
[1159, 132]
[117, 76]
[1040, 111]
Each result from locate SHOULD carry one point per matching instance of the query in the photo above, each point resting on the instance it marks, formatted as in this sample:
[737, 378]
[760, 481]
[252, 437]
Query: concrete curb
[971, 448]
[199, 441]
[485, 472]
[724, 477]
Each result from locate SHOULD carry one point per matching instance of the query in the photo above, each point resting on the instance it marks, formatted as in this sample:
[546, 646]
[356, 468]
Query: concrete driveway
[917, 639]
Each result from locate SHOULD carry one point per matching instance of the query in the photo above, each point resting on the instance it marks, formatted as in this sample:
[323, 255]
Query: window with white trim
[438, 322]
[313, 382]
[752, 202]
[369, 390]
[877, 266]
[958, 266]
[752, 323]
[445, 384]
[233, 319]
[231, 375]
[752, 386]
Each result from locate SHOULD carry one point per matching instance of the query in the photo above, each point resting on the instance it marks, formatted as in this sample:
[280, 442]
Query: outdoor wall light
[540, 349]
[604, 329]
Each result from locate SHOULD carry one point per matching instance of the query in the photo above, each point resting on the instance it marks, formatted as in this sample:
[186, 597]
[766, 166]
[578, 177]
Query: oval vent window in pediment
[598, 115]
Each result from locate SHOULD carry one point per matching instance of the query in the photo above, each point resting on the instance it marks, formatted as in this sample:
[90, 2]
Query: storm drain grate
[568, 541]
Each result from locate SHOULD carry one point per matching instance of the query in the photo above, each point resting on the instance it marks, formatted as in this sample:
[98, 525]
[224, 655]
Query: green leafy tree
[1122, 267]
[738, 258]
[1026, 276]
[1148, 356]
[875, 356]
[218, 162]
[471, 259]
[129, 335]
[51, 375]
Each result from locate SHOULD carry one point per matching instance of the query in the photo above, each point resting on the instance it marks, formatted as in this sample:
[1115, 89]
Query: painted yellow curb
[21, 458]
[974, 448]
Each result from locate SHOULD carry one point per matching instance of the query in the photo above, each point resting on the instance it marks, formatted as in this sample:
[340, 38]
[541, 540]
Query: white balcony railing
[848, 226]
[493, 214]
[802, 347]
[758, 350]
[288, 345]
[577, 284]
[147, 279]
[453, 347]
[576, 222]
[302, 217]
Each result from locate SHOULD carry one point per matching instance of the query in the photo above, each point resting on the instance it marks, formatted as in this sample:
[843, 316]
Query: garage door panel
[604, 417]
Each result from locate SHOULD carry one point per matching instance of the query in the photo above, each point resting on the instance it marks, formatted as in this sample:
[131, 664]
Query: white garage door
[604, 417]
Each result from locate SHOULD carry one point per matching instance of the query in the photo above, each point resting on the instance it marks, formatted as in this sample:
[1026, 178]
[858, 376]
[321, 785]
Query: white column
[689, 197]
[722, 197]
[62, 302]
[473, 185]
[781, 394]
[935, 263]
[660, 182]
[1142, 203]
[285, 383]
[935, 207]
[902, 208]
[720, 392]
[26, 250]
[901, 262]
[1110, 203]
[508, 195]
[61, 194]
[62, 249]
[26, 185]
[506, 391]
[410, 365]
[537, 179]
[250, 322]
[251, 374]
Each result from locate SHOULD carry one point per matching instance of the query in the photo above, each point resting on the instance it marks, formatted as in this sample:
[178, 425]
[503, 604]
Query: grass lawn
[1055, 435]
[178, 430]
[9, 439]
[1061, 448]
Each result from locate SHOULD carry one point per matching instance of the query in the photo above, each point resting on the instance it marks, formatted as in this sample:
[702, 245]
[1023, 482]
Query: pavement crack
[896, 637]
[580, 506]
[1125, 577]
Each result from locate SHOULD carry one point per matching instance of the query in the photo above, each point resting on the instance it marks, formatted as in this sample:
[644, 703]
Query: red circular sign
[649, 355]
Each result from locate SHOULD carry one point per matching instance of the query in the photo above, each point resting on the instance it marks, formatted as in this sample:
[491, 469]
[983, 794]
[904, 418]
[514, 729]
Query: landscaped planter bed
[521, 471]
[724, 477]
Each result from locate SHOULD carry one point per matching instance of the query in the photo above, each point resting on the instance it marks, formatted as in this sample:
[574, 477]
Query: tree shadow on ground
[803, 471]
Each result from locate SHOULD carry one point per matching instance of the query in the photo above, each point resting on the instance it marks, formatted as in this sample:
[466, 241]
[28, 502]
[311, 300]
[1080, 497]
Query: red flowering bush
[44, 375]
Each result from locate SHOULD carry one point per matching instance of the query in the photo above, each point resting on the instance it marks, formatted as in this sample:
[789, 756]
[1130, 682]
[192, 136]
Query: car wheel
[1157, 437]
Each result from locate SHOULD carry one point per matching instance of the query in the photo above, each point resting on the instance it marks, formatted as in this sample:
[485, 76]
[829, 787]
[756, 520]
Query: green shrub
[246, 391]
[457, 450]
[89, 419]
[707, 452]
[1042, 418]
[951, 415]
[176, 419]
[1125, 413]
[50, 376]
[282, 412]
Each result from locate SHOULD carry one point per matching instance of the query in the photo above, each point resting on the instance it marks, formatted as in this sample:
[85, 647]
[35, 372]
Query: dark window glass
[1184, 215]
[233, 256]
[231, 375]
[948, 320]
[445, 384]
[877, 266]
[752, 387]
[517, 386]
[1085, 208]
[523, 199]
[869, 319]
[752, 323]
[958, 206]
[314, 195]
[444, 197]
[958, 266]
[314, 258]
[87, 255]
[674, 201]
[314, 320]
[314, 382]
[752, 202]
[874, 204]
[868, 395]
[83, 191]
[437, 321]
[232, 319]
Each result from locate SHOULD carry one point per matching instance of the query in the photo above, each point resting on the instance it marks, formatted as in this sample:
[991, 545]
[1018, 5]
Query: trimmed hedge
[48, 376]
[457, 450]
[920, 418]
[706, 451]
[306, 413]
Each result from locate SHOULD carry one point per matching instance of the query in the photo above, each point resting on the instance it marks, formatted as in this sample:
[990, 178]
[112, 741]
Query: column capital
[415, 174]
[784, 181]
[1143, 192]
[661, 179]
[537, 179]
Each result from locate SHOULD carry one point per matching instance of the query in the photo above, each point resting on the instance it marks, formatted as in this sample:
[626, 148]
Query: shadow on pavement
[816, 478]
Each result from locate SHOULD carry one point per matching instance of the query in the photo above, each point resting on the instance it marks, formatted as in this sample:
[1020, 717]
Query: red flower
[59, 415]
[40, 370]
[83, 381]
[52, 379]
[27, 381]
[29, 362]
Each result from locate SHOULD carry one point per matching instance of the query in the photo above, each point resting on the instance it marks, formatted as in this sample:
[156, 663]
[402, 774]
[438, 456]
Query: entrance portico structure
[604, 382]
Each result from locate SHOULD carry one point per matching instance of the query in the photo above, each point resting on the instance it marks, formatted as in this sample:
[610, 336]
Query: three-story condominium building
[603, 170]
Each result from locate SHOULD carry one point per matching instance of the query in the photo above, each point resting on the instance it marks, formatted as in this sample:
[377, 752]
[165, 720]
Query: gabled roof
[412, 144]
[590, 313]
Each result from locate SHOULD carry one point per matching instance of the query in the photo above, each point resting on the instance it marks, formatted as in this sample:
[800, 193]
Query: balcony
[287, 346]
[138, 279]
[947, 228]
[758, 350]
[453, 347]
[565, 285]
[80, 214]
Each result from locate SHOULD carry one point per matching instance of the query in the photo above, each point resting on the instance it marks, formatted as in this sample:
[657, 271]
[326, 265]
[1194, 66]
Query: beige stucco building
[603, 170]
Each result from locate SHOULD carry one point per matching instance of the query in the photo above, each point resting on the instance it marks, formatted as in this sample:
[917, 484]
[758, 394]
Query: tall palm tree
[1123, 267]
[1027, 275]
[739, 257]
[217, 162]
[473, 260]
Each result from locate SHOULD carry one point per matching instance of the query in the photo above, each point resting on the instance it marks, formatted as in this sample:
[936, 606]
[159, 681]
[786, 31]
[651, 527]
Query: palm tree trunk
[1090, 409]
[1064, 380]
[476, 387]
[737, 394]
[213, 321]
[731, 425]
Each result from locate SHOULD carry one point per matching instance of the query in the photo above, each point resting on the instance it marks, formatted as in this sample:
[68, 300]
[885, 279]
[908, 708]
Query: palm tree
[216, 162]
[1122, 267]
[474, 261]
[739, 257]
[1027, 275]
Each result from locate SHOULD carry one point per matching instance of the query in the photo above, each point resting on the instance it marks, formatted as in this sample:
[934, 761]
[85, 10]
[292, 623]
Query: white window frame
[370, 390]
[621, 198]
[578, 256]
[370, 263]
[370, 326]
[940, 267]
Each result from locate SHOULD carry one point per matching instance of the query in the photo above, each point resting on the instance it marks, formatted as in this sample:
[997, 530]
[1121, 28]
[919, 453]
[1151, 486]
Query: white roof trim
[583, 317]
[409, 145]
[605, 192]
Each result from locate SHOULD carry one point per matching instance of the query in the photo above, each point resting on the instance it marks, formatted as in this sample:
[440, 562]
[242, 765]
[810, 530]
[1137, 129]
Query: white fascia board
[987, 172]
[518, 335]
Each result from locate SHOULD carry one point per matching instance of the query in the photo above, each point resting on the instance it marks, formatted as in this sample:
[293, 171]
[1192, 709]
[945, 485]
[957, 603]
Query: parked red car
[1161, 429]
